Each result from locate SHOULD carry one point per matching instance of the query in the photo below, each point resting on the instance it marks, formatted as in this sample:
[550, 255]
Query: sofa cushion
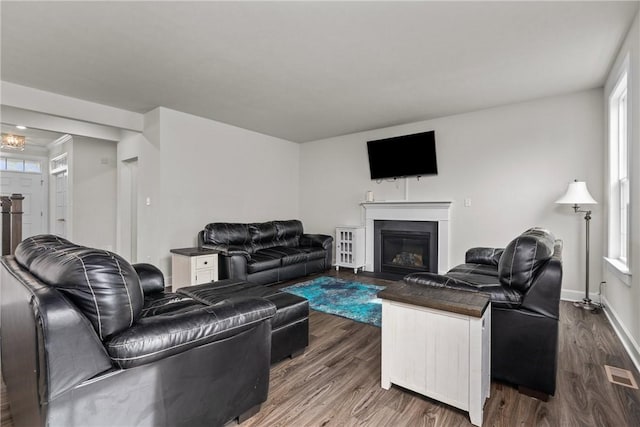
[263, 260]
[488, 270]
[101, 284]
[175, 331]
[290, 308]
[522, 257]
[167, 302]
[489, 256]
[289, 232]
[228, 234]
[263, 235]
[31, 247]
[288, 255]
[314, 253]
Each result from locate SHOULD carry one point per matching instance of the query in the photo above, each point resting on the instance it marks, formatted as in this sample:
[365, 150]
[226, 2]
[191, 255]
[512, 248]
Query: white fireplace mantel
[408, 211]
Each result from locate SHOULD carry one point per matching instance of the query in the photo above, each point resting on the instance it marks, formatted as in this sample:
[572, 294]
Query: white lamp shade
[577, 194]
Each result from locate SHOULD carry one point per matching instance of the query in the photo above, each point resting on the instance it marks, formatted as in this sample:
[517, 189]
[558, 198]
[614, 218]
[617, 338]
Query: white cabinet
[193, 266]
[350, 247]
[438, 353]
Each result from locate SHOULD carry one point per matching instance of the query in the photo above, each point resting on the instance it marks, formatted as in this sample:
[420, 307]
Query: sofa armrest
[151, 278]
[437, 281]
[157, 337]
[488, 256]
[317, 240]
[543, 296]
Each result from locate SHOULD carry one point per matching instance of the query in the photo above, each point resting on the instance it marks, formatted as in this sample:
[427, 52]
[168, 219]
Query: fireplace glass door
[404, 252]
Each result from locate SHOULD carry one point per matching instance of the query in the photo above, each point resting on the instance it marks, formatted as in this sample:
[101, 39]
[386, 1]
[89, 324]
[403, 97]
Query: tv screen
[401, 156]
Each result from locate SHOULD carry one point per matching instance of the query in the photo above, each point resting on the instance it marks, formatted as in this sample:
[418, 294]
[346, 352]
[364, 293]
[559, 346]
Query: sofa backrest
[523, 256]
[228, 234]
[100, 283]
[32, 247]
[289, 232]
[255, 236]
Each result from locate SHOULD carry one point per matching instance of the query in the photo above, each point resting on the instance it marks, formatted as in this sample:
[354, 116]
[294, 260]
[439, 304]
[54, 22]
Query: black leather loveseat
[524, 281]
[88, 339]
[268, 252]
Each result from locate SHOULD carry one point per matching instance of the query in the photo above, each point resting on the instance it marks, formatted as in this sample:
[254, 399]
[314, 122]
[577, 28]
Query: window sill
[619, 269]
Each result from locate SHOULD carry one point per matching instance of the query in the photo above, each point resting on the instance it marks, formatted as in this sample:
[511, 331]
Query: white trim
[64, 138]
[31, 99]
[64, 168]
[618, 269]
[628, 342]
[573, 295]
[408, 211]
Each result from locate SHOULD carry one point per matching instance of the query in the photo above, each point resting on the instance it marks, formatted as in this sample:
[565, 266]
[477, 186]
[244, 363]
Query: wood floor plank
[336, 382]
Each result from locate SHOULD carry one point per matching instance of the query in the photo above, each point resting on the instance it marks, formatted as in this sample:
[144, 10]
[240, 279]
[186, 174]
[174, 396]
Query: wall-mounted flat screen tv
[402, 156]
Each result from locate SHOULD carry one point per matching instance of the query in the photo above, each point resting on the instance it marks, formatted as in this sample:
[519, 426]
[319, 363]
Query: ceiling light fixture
[21, 127]
[13, 142]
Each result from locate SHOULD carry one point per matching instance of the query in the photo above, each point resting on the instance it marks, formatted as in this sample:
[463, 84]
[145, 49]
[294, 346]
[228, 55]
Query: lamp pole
[586, 303]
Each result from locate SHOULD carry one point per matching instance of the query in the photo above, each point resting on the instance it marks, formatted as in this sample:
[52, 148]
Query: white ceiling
[33, 137]
[310, 70]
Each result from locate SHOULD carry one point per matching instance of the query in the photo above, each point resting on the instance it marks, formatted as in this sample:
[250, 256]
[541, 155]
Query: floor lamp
[577, 195]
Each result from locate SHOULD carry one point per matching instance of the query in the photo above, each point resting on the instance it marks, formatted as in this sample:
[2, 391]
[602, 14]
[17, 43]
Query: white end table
[437, 342]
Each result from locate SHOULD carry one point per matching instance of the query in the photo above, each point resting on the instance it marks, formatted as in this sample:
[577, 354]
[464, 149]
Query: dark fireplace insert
[403, 247]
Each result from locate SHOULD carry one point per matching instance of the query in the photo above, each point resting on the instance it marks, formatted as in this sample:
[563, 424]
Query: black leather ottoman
[289, 326]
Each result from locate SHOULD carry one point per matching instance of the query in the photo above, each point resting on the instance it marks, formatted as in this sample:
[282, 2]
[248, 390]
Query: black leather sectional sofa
[524, 281]
[268, 252]
[88, 340]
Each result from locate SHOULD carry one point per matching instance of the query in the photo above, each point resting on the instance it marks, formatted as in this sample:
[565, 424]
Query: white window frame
[23, 160]
[619, 182]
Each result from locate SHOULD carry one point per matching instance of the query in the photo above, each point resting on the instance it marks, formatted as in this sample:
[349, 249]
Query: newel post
[16, 220]
[6, 225]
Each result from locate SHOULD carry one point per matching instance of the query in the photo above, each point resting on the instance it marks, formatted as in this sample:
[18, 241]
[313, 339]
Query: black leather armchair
[524, 281]
[88, 339]
[268, 252]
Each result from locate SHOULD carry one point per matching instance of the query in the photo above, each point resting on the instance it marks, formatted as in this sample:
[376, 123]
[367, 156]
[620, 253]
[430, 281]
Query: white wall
[94, 193]
[622, 300]
[92, 190]
[199, 171]
[513, 162]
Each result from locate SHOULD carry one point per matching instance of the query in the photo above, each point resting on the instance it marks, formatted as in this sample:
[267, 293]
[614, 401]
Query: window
[58, 164]
[11, 164]
[619, 177]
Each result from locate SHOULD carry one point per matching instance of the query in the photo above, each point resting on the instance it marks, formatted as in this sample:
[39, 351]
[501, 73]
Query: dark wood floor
[336, 382]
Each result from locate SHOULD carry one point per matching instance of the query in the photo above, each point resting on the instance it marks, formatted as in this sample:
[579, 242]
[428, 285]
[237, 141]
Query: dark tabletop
[452, 300]
[193, 251]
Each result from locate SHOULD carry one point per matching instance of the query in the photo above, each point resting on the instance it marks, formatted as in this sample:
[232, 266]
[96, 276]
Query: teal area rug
[353, 300]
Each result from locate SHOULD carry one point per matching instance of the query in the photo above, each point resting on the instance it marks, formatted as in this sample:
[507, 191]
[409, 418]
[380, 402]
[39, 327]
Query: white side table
[193, 266]
[437, 342]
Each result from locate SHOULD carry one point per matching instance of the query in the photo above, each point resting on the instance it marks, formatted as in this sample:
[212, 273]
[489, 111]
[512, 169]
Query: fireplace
[437, 212]
[403, 247]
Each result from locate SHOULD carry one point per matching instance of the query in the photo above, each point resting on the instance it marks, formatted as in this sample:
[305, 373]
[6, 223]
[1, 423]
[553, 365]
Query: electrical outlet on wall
[467, 202]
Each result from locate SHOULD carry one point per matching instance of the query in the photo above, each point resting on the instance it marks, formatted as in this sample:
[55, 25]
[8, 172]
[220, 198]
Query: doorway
[31, 186]
[129, 209]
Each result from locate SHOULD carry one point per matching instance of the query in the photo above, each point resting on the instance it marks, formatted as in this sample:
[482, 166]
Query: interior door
[129, 209]
[30, 185]
[60, 214]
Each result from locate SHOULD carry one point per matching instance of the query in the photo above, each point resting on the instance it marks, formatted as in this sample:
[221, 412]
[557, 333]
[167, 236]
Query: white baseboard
[571, 295]
[629, 343]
